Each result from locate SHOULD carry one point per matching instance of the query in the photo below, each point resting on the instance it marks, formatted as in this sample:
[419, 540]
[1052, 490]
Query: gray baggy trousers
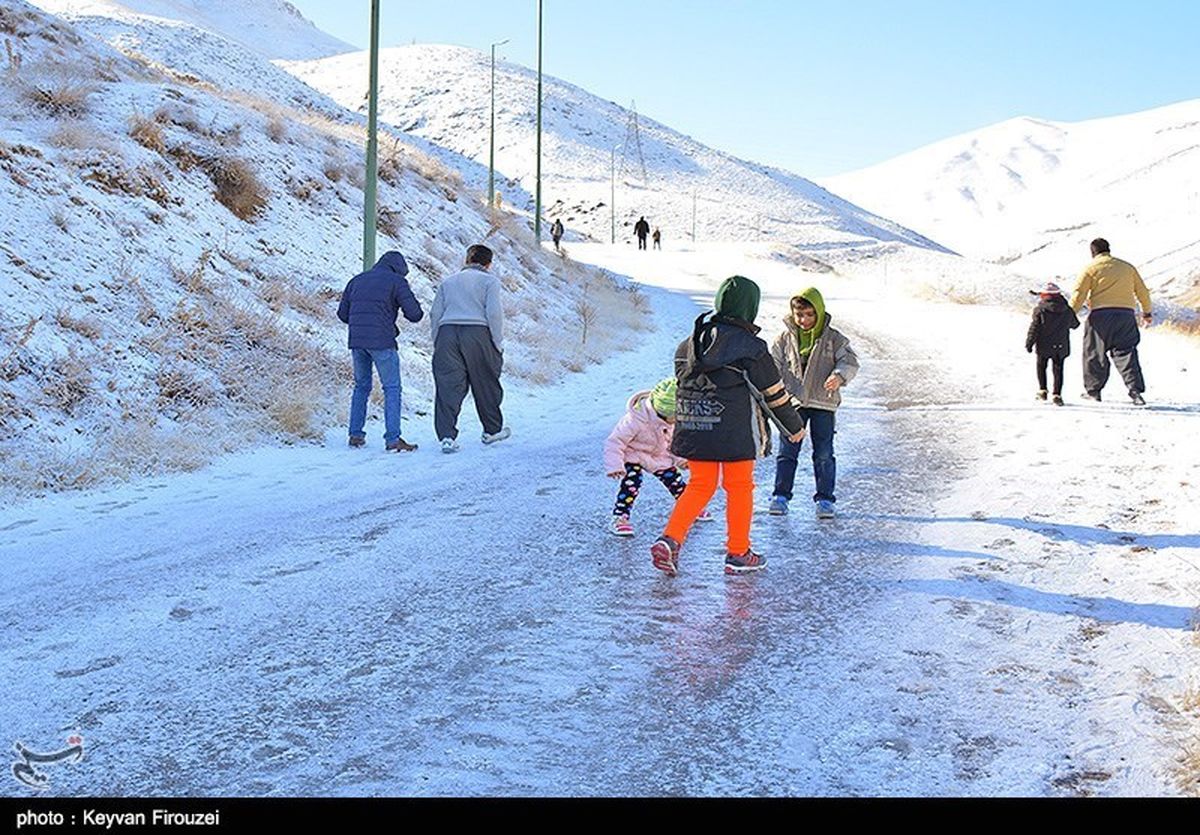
[465, 358]
[1112, 331]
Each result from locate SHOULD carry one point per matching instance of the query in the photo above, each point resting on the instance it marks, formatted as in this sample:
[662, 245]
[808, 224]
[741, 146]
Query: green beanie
[738, 298]
[662, 397]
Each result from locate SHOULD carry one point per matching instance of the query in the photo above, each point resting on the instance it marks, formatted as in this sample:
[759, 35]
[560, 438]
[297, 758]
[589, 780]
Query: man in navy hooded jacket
[369, 306]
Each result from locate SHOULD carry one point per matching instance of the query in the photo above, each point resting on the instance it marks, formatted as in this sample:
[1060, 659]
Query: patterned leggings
[632, 483]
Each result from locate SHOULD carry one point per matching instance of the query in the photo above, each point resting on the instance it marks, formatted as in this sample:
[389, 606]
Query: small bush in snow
[147, 132]
[68, 383]
[277, 129]
[238, 186]
[84, 327]
[58, 89]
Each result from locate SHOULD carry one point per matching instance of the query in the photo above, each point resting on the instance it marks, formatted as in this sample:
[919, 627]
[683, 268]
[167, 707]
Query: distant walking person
[369, 306]
[556, 233]
[1111, 288]
[1050, 334]
[657, 238]
[467, 323]
[641, 229]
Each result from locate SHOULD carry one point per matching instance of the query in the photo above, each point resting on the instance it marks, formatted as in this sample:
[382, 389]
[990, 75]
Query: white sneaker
[499, 436]
[449, 445]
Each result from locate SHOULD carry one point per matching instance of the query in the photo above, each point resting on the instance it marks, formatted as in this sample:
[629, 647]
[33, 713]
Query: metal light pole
[370, 187]
[537, 206]
[492, 140]
[693, 216]
[613, 197]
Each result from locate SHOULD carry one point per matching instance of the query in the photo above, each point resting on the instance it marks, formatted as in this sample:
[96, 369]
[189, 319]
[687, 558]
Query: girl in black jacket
[1050, 334]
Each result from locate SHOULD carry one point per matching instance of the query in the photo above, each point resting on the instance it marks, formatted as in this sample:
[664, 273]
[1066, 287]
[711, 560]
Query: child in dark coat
[1050, 334]
[728, 383]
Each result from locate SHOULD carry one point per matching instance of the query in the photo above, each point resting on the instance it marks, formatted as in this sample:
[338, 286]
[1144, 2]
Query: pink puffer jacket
[640, 437]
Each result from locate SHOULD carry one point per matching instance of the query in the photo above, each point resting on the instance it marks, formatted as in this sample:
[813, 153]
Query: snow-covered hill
[270, 28]
[442, 94]
[1032, 193]
[173, 249]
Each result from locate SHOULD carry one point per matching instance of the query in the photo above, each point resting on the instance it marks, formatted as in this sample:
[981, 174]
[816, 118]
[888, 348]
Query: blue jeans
[820, 423]
[387, 362]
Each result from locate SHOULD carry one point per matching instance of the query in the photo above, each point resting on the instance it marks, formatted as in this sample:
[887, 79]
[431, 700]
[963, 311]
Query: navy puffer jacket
[372, 299]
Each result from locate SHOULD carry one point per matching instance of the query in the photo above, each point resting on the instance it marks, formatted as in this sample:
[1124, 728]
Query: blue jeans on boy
[820, 424]
[387, 362]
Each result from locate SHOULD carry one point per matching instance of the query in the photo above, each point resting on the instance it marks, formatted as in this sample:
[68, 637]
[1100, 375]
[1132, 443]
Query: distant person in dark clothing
[556, 233]
[467, 324]
[657, 238]
[369, 306]
[641, 229]
[1112, 289]
[1050, 334]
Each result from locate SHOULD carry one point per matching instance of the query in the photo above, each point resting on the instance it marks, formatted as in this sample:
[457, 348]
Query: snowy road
[321, 621]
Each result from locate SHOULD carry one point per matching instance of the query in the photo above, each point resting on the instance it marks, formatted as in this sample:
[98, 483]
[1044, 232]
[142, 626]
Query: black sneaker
[744, 563]
[1137, 398]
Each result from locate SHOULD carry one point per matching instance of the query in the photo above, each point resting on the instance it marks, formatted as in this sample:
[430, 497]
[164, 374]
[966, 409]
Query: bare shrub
[238, 186]
[78, 137]
[11, 366]
[1187, 772]
[304, 188]
[586, 313]
[181, 390]
[84, 327]
[68, 383]
[147, 132]
[389, 222]
[193, 280]
[58, 89]
[11, 412]
[112, 178]
[277, 129]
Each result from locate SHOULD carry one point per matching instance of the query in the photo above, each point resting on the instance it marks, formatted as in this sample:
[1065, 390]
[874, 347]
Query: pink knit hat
[1047, 289]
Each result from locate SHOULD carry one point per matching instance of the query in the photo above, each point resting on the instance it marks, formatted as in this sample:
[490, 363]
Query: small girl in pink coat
[641, 441]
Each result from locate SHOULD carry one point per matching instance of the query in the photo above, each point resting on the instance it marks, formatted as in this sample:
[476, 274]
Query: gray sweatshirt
[469, 297]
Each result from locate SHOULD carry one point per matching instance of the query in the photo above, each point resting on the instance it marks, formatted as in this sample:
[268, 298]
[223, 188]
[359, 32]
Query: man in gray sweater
[467, 322]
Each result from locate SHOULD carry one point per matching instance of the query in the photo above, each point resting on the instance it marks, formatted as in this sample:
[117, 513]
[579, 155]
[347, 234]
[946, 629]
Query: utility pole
[537, 205]
[492, 135]
[370, 187]
[693, 216]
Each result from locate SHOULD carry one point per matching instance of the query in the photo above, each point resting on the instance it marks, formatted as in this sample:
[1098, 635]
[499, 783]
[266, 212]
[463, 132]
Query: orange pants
[737, 477]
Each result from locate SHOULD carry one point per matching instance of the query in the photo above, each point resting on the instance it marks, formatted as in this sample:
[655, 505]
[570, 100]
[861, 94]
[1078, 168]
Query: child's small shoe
[744, 563]
[664, 554]
[1042, 394]
[1058, 401]
[620, 526]
[825, 509]
[705, 516]
[778, 506]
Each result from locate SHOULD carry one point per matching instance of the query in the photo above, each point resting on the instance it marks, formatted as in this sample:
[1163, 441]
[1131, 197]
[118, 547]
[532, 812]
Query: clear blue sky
[822, 88]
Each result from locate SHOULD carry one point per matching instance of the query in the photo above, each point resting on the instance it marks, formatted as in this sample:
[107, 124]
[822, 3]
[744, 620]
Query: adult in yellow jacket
[1112, 289]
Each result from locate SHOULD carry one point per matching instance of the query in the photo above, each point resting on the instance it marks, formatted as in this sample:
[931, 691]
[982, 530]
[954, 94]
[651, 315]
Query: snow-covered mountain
[442, 94]
[270, 28]
[1032, 193]
[173, 250]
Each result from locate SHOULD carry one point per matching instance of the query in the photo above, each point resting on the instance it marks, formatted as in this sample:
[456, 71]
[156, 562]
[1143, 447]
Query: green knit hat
[738, 298]
[662, 397]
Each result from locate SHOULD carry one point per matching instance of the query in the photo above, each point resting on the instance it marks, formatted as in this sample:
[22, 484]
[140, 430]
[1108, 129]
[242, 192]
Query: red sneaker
[664, 553]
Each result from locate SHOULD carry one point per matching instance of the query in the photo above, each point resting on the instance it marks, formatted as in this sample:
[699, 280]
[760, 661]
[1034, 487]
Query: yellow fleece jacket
[1110, 282]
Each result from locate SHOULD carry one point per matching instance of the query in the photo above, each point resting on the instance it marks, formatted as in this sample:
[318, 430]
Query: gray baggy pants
[465, 358]
[1112, 331]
